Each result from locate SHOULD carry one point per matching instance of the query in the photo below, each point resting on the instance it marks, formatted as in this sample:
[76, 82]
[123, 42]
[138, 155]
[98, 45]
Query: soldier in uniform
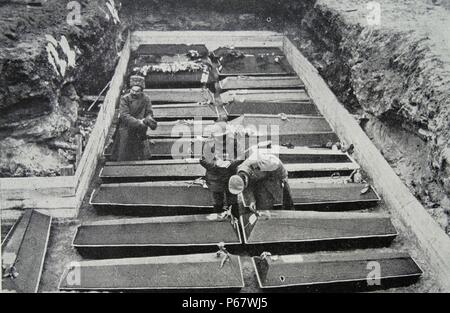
[135, 117]
[263, 180]
[219, 169]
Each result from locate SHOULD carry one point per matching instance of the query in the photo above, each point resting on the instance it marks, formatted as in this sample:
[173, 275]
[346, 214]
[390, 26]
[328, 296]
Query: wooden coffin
[179, 95]
[186, 111]
[265, 95]
[200, 272]
[255, 61]
[277, 230]
[156, 235]
[261, 82]
[183, 197]
[319, 271]
[236, 109]
[23, 252]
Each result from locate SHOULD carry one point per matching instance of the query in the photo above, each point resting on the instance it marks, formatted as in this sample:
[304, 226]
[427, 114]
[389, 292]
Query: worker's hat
[136, 80]
[236, 184]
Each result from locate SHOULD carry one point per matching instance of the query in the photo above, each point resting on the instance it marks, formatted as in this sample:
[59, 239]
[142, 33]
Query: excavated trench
[389, 78]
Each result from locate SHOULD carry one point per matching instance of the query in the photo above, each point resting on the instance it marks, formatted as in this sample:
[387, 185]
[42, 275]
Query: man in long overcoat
[135, 117]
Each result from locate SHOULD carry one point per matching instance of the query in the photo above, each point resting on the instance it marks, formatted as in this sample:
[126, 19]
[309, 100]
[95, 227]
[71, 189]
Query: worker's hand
[252, 207]
[150, 122]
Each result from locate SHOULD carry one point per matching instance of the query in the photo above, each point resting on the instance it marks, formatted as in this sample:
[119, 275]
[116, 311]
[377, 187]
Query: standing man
[263, 180]
[135, 116]
[218, 172]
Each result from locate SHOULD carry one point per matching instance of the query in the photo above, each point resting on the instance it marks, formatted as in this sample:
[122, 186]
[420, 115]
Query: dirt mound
[46, 63]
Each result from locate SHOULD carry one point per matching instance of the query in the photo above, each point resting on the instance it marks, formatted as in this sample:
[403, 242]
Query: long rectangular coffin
[233, 110]
[157, 235]
[183, 196]
[186, 272]
[273, 228]
[177, 80]
[185, 111]
[182, 128]
[23, 251]
[179, 95]
[252, 64]
[332, 270]
[261, 82]
[158, 50]
[177, 169]
[274, 124]
[236, 109]
[187, 147]
[265, 95]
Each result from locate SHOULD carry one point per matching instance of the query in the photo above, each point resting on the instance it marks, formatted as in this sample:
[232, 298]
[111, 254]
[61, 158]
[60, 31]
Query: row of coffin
[25, 246]
[176, 249]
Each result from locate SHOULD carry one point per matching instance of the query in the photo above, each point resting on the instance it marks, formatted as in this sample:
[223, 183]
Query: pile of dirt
[49, 57]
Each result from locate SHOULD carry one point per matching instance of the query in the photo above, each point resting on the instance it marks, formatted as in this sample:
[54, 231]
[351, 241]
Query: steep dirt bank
[46, 65]
[393, 75]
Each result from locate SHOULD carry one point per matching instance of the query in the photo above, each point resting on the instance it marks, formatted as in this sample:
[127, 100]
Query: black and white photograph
[225, 152]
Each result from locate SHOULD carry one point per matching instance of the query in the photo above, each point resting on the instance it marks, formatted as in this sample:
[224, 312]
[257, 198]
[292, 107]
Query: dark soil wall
[37, 104]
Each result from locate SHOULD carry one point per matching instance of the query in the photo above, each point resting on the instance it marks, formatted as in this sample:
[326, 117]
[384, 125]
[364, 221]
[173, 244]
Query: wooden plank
[79, 149]
[211, 39]
[432, 239]
[187, 272]
[277, 227]
[179, 95]
[311, 194]
[167, 235]
[94, 147]
[235, 109]
[67, 170]
[24, 253]
[326, 269]
[264, 95]
[261, 82]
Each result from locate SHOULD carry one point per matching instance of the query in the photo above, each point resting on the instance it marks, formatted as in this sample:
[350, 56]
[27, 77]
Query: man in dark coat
[263, 181]
[218, 172]
[135, 117]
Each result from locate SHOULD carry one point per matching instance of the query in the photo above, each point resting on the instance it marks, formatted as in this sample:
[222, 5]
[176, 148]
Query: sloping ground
[46, 65]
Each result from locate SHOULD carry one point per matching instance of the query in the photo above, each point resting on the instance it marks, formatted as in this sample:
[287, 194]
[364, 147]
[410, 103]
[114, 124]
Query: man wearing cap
[263, 181]
[135, 117]
[218, 172]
